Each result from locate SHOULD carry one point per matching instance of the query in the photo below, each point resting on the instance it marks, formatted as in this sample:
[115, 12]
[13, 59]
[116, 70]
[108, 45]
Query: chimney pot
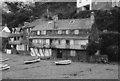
[92, 16]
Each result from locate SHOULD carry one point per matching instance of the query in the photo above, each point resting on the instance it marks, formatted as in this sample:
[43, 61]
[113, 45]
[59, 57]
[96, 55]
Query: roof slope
[4, 34]
[62, 24]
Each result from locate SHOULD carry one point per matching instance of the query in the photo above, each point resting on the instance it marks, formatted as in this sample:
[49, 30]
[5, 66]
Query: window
[63, 31]
[49, 32]
[44, 41]
[35, 41]
[38, 32]
[20, 47]
[33, 33]
[76, 42]
[67, 32]
[76, 32]
[27, 30]
[63, 42]
[59, 42]
[15, 38]
[59, 32]
[12, 39]
[43, 32]
[83, 42]
[71, 32]
[67, 42]
[71, 42]
[47, 41]
[40, 41]
[72, 53]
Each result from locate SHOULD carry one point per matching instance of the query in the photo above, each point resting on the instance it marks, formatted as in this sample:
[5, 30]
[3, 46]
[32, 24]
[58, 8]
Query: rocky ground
[46, 69]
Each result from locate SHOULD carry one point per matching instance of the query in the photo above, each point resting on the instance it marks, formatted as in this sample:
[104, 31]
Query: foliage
[21, 12]
[105, 33]
[108, 19]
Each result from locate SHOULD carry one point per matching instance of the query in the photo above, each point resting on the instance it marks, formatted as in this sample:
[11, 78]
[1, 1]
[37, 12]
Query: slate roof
[34, 23]
[62, 24]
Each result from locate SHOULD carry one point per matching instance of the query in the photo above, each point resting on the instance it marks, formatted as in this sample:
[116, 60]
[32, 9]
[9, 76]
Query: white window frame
[59, 32]
[67, 32]
[76, 32]
[38, 32]
[72, 53]
[63, 41]
[43, 32]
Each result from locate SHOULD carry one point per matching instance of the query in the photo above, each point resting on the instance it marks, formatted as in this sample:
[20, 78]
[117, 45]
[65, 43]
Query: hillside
[24, 13]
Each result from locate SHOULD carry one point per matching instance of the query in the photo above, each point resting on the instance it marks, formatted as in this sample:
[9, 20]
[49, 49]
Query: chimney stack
[92, 17]
[55, 19]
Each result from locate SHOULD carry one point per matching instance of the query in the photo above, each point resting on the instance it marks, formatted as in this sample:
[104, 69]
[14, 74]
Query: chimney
[55, 19]
[92, 17]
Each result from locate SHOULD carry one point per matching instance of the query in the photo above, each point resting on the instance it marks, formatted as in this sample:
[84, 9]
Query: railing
[22, 41]
[15, 42]
[38, 45]
[59, 46]
[68, 46]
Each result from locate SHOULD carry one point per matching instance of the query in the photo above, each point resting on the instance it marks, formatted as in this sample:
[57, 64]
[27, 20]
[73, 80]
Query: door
[59, 53]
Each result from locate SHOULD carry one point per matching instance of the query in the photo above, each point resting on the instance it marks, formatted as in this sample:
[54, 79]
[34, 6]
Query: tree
[21, 12]
[105, 33]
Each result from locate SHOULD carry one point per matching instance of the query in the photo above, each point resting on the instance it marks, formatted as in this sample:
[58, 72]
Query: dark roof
[62, 24]
[34, 23]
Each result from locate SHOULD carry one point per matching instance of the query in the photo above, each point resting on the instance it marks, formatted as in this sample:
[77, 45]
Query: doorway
[59, 53]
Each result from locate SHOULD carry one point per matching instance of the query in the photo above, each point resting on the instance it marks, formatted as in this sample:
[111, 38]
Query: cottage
[60, 39]
[4, 36]
[19, 41]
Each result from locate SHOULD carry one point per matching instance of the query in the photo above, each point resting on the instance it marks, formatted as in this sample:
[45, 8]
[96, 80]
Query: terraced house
[19, 41]
[60, 39]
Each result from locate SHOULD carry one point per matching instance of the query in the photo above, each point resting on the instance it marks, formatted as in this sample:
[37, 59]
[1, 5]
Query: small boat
[63, 62]
[32, 61]
[2, 60]
[4, 67]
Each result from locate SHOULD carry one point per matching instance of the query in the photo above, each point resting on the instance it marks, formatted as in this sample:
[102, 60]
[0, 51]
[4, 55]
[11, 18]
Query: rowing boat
[4, 67]
[32, 61]
[63, 62]
[2, 60]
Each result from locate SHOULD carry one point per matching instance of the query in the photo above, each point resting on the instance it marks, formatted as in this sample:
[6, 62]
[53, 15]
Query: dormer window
[35, 41]
[67, 32]
[38, 32]
[43, 32]
[59, 32]
[72, 21]
[40, 41]
[76, 32]
[63, 32]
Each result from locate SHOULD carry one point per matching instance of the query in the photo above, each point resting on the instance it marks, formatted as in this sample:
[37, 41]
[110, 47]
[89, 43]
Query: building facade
[60, 39]
[19, 41]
